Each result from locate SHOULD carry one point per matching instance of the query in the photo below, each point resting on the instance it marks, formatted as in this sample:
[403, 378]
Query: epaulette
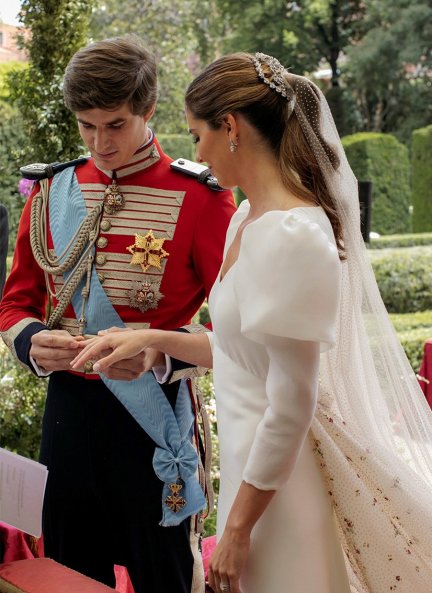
[38, 171]
[199, 172]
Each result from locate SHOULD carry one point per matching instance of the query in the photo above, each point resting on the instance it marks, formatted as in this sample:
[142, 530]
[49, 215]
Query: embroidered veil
[373, 427]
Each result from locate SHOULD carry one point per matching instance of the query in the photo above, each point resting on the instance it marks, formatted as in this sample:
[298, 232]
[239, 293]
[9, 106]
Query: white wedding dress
[285, 258]
[340, 521]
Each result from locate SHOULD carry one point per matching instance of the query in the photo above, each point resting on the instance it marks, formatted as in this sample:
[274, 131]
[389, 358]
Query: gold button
[102, 242]
[101, 278]
[105, 225]
[88, 366]
[101, 259]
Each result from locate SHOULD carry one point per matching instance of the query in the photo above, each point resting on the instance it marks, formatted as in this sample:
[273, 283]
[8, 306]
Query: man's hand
[132, 368]
[53, 350]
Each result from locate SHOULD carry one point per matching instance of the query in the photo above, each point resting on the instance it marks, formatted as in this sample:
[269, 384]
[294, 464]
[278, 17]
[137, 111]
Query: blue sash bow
[175, 460]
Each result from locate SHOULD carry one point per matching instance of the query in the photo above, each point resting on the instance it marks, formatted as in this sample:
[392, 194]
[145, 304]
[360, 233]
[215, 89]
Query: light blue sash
[175, 459]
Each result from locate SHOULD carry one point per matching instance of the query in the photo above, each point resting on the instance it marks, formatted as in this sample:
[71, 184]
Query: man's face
[112, 137]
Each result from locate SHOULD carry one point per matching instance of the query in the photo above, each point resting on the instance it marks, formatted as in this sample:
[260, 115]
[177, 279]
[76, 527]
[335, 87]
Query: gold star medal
[147, 251]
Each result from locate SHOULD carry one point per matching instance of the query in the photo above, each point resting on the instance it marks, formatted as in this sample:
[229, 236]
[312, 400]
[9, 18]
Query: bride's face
[213, 148]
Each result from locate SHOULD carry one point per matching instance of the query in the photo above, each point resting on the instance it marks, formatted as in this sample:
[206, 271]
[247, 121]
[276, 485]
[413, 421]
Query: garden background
[372, 59]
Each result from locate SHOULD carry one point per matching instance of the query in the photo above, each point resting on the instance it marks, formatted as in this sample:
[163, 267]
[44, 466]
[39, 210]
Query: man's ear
[147, 116]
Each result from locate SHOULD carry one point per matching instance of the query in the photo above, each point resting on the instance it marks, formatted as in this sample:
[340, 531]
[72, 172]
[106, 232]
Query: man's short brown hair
[109, 73]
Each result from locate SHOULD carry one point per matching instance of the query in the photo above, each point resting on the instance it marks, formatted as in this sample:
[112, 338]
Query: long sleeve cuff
[163, 373]
[18, 339]
[39, 371]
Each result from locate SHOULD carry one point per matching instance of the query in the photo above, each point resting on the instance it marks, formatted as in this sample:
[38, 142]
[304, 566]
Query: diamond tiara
[277, 82]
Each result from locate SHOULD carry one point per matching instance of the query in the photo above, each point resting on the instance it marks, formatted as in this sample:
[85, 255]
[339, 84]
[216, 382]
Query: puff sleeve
[290, 308]
[287, 280]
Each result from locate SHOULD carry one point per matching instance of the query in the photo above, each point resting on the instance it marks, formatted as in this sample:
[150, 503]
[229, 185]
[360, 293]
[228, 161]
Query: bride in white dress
[325, 437]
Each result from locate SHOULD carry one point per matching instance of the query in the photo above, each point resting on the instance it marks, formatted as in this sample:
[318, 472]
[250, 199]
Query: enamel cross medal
[113, 199]
[175, 501]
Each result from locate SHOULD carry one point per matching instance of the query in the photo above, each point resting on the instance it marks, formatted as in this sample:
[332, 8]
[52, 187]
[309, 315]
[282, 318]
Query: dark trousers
[103, 500]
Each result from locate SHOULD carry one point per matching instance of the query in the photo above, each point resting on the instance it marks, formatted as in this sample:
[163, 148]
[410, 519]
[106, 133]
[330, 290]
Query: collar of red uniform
[146, 156]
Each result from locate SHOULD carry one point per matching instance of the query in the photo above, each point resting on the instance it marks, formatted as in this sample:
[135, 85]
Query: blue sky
[8, 11]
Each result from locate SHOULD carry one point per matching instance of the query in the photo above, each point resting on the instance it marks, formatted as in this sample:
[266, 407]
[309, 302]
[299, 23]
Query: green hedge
[422, 179]
[413, 329]
[411, 321]
[407, 240]
[382, 159]
[412, 342]
[177, 145]
[404, 277]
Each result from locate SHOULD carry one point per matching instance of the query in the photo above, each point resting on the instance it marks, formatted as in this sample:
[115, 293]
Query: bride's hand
[228, 562]
[130, 369]
[121, 345]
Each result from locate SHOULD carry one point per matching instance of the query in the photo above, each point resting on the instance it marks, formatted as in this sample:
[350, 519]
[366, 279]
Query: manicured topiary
[382, 159]
[405, 240]
[404, 277]
[413, 329]
[422, 179]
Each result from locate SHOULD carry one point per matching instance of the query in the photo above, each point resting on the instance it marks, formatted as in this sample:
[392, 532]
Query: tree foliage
[12, 147]
[211, 23]
[321, 30]
[379, 51]
[167, 32]
[390, 71]
[5, 69]
[12, 142]
[58, 29]
[301, 33]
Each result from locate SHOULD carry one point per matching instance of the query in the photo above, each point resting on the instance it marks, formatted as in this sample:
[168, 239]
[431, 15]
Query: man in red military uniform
[150, 240]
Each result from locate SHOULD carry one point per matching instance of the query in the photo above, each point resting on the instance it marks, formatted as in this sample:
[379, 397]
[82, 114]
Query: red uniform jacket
[190, 217]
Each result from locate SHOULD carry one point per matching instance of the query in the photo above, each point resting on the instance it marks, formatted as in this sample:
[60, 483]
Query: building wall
[8, 45]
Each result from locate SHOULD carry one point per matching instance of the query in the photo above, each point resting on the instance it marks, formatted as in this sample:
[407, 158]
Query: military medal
[174, 501]
[113, 199]
[145, 295]
[147, 251]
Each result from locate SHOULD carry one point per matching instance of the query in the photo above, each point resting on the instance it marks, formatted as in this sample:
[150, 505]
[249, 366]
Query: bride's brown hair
[231, 85]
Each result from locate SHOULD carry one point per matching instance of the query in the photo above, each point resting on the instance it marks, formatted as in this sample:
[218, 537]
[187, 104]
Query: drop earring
[233, 146]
